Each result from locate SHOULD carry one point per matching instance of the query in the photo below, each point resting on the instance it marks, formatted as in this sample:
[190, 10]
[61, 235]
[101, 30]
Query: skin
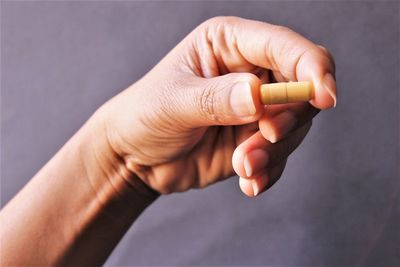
[193, 120]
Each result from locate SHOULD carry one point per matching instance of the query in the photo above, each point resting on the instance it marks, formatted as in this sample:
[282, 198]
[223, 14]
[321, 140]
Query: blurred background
[338, 201]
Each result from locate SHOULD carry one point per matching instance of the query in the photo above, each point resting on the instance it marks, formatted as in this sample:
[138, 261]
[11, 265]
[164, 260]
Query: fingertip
[325, 95]
[246, 187]
[237, 162]
[254, 186]
[277, 127]
[255, 84]
[319, 68]
[267, 129]
[250, 157]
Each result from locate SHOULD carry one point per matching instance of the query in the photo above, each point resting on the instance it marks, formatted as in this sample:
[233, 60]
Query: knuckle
[286, 50]
[165, 186]
[213, 20]
[207, 101]
[281, 29]
[219, 25]
[221, 20]
[328, 54]
[324, 49]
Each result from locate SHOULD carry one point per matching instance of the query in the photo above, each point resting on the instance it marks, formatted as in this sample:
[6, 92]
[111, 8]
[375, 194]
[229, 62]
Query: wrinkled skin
[178, 127]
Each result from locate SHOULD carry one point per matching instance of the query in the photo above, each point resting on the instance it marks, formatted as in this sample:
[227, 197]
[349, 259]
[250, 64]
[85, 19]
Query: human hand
[196, 117]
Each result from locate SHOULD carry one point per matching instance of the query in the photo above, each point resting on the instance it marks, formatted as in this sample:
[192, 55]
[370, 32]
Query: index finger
[279, 49]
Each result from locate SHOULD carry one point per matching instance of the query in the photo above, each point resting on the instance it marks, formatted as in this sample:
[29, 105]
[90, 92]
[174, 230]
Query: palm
[207, 162]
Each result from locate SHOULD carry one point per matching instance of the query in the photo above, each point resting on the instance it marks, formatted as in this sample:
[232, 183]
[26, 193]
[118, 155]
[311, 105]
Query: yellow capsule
[281, 93]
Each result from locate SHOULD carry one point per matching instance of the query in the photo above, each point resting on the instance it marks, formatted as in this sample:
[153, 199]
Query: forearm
[76, 209]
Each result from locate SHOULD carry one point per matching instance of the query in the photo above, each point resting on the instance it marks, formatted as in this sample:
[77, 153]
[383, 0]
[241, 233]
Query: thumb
[230, 99]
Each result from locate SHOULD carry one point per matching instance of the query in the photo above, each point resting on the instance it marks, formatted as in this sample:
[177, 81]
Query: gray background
[337, 203]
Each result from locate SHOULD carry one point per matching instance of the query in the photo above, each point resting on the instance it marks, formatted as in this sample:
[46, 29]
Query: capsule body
[280, 93]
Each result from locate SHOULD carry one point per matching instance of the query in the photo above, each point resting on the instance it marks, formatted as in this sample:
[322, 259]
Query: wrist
[106, 169]
[80, 205]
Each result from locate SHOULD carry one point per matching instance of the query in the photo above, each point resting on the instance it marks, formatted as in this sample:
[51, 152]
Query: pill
[280, 93]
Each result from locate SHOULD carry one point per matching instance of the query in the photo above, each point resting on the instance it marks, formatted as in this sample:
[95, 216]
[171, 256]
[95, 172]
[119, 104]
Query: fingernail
[255, 161]
[241, 100]
[282, 123]
[256, 190]
[330, 85]
[258, 185]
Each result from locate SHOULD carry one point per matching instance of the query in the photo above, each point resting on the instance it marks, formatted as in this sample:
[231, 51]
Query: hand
[196, 117]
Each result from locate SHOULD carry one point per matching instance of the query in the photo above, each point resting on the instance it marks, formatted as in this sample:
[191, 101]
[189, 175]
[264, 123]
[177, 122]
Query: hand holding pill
[234, 97]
